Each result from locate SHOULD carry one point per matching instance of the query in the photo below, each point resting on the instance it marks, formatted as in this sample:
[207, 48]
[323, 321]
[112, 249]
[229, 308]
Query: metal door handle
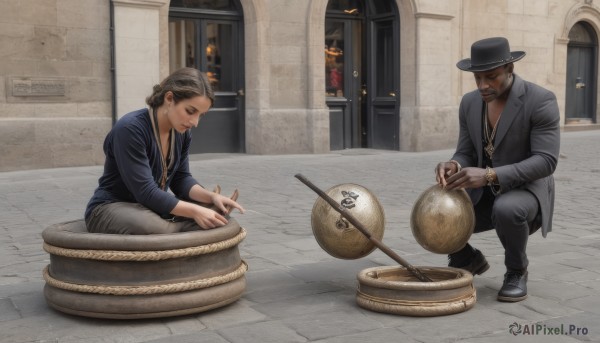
[579, 85]
[240, 92]
[392, 94]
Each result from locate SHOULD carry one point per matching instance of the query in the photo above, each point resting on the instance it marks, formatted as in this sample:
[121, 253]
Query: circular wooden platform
[142, 276]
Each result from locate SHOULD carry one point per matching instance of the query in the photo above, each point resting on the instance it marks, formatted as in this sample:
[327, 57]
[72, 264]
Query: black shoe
[476, 264]
[514, 287]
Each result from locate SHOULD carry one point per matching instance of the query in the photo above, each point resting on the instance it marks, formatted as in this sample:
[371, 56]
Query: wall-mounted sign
[37, 87]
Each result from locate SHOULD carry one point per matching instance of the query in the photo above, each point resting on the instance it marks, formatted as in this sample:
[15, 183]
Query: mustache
[488, 92]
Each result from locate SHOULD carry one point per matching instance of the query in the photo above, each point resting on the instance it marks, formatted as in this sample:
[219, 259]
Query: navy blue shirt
[133, 167]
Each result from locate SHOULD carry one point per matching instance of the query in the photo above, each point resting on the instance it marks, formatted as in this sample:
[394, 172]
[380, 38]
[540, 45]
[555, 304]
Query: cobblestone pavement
[296, 292]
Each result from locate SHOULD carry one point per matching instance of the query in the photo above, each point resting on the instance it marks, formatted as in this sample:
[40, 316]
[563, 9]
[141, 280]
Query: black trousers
[515, 215]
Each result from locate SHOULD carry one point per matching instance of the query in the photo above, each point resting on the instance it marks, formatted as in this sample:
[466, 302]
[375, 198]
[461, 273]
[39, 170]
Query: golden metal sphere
[335, 234]
[442, 221]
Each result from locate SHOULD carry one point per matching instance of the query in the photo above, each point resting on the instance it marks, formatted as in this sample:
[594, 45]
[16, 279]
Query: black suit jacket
[526, 146]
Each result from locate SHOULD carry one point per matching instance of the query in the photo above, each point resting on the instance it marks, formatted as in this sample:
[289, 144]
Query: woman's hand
[207, 218]
[218, 202]
[225, 204]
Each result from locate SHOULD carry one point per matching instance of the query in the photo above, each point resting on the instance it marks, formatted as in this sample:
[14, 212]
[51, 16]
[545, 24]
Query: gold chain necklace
[165, 173]
[489, 148]
[165, 167]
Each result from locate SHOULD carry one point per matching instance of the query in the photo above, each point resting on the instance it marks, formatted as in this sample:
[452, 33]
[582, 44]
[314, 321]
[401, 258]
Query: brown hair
[184, 83]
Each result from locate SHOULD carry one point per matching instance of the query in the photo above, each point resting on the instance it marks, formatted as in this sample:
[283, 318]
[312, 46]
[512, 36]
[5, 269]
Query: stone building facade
[70, 68]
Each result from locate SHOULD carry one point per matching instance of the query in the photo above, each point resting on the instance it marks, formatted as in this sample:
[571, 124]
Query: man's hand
[444, 170]
[469, 177]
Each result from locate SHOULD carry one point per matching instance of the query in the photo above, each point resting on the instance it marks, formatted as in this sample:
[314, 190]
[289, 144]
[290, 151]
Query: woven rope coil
[440, 302]
[147, 290]
[120, 255]
[420, 310]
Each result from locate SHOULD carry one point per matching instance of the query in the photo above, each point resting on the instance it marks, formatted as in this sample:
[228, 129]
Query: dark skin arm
[448, 176]
[494, 86]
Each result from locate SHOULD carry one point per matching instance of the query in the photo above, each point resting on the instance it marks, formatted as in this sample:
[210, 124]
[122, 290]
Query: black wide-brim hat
[489, 53]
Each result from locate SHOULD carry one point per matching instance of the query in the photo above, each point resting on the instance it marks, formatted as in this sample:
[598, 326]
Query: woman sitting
[146, 155]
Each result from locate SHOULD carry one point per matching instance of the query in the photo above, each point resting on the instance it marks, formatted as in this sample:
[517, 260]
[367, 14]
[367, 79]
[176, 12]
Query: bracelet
[489, 175]
[458, 166]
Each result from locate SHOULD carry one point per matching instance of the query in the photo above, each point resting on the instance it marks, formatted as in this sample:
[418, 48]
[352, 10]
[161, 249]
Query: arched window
[582, 33]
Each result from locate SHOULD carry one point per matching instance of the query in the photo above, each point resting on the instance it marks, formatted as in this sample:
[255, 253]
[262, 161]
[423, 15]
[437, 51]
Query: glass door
[362, 74]
[212, 43]
[344, 75]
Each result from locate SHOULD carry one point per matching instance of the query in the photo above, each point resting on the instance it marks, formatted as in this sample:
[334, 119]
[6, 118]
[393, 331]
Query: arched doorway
[208, 35]
[582, 59]
[362, 73]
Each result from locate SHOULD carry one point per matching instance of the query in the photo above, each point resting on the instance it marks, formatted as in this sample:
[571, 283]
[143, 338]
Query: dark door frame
[591, 82]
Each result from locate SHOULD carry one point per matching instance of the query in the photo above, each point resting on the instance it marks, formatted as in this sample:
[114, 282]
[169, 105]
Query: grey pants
[515, 215]
[134, 219]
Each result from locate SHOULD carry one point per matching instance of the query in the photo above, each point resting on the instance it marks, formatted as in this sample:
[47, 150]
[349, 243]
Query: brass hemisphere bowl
[335, 234]
[442, 221]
